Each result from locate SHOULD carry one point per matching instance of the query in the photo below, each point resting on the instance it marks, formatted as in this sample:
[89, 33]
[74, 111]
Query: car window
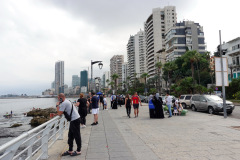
[201, 98]
[182, 97]
[195, 98]
[188, 97]
[214, 98]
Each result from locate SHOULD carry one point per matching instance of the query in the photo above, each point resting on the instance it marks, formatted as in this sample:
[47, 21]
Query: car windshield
[214, 98]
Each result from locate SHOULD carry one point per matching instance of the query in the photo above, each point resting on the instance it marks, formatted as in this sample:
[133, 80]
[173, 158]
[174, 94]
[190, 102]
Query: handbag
[68, 117]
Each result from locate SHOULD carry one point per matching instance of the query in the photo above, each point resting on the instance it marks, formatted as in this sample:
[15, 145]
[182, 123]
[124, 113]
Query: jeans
[169, 109]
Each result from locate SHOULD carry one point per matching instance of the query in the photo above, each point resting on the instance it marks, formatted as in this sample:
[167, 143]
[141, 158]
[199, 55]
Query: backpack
[68, 117]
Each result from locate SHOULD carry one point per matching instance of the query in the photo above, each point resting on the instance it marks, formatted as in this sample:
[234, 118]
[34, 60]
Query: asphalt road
[235, 113]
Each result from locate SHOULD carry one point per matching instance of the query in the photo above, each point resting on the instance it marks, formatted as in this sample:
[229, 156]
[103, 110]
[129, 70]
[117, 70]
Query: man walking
[95, 108]
[136, 100]
[169, 104]
[65, 105]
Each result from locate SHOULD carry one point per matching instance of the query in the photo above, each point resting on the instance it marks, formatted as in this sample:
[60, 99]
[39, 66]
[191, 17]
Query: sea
[19, 106]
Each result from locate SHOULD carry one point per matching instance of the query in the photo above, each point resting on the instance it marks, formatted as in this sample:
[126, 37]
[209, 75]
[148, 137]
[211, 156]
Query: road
[235, 114]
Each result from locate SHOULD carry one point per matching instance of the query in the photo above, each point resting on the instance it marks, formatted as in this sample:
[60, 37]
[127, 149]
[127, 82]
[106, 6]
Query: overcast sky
[34, 34]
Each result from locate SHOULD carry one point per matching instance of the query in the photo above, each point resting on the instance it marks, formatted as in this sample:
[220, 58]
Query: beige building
[116, 67]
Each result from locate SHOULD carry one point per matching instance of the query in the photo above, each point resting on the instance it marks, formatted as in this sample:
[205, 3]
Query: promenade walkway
[197, 136]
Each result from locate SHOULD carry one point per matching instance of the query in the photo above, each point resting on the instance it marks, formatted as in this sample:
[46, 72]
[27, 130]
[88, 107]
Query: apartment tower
[116, 67]
[155, 27]
[59, 77]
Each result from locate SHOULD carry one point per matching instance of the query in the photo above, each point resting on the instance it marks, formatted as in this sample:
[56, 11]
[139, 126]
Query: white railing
[37, 140]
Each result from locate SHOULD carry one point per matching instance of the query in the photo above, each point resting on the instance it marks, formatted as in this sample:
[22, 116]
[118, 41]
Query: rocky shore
[40, 116]
[19, 123]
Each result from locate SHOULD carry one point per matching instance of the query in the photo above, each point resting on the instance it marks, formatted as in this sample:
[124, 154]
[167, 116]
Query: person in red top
[135, 101]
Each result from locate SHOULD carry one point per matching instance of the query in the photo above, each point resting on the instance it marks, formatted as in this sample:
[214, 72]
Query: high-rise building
[59, 77]
[124, 74]
[155, 27]
[136, 51]
[53, 84]
[75, 81]
[131, 57]
[116, 67]
[106, 79]
[84, 79]
[184, 36]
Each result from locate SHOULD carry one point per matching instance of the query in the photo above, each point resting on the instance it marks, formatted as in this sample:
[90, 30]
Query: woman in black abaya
[157, 102]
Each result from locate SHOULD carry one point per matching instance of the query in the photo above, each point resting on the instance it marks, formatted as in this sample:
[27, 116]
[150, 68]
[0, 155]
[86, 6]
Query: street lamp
[100, 65]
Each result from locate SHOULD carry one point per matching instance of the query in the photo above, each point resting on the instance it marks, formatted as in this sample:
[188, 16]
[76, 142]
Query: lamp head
[100, 65]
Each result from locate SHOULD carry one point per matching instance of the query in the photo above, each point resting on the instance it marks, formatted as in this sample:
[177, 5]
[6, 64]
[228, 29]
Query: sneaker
[83, 126]
[169, 116]
[94, 124]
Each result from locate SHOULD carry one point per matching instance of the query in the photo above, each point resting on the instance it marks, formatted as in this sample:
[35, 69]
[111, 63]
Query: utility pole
[223, 84]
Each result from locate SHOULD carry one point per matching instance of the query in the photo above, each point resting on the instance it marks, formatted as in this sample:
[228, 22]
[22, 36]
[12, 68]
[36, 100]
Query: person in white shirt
[105, 102]
[169, 104]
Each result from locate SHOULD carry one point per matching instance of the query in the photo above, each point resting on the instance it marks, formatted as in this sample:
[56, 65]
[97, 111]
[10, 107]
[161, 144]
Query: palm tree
[111, 84]
[115, 77]
[158, 65]
[169, 68]
[128, 82]
[145, 76]
[190, 56]
[107, 82]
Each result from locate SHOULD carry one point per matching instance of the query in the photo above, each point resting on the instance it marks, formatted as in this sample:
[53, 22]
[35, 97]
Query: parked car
[210, 103]
[142, 98]
[185, 100]
[164, 99]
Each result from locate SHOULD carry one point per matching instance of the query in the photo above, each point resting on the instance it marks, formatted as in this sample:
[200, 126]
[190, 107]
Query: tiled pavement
[197, 136]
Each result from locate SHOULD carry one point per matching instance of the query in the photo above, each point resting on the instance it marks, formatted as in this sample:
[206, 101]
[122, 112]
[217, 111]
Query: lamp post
[100, 65]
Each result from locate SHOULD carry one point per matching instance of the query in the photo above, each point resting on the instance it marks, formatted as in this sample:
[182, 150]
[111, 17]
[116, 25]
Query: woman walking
[128, 104]
[82, 104]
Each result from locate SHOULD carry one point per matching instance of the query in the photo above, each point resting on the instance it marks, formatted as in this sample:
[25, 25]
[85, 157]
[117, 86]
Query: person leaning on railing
[74, 129]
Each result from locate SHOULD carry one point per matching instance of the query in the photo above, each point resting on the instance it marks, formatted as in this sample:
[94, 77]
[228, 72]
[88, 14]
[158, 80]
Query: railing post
[45, 136]
[61, 128]
[30, 143]
[10, 151]
[54, 132]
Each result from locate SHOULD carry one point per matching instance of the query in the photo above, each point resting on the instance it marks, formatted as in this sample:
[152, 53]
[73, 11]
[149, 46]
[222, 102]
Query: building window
[237, 61]
[233, 60]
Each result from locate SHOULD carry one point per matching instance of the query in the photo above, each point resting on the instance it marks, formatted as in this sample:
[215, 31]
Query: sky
[36, 34]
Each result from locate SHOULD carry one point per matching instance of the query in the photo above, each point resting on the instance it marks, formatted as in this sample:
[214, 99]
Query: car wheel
[184, 105]
[229, 112]
[211, 110]
[194, 108]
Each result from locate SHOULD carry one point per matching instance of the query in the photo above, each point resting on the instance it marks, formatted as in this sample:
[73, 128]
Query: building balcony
[235, 52]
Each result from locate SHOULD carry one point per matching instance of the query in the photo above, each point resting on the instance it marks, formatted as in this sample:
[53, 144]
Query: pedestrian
[180, 108]
[128, 104]
[175, 109]
[157, 101]
[105, 102]
[95, 108]
[119, 99]
[169, 104]
[89, 97]
[64, 105]
[82, 104]
[101, 101]
[11, 113]
[112, 100]
[136, 100]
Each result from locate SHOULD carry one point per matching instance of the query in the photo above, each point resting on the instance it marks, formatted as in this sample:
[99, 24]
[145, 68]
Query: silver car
[185, 100]
[211, 103]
